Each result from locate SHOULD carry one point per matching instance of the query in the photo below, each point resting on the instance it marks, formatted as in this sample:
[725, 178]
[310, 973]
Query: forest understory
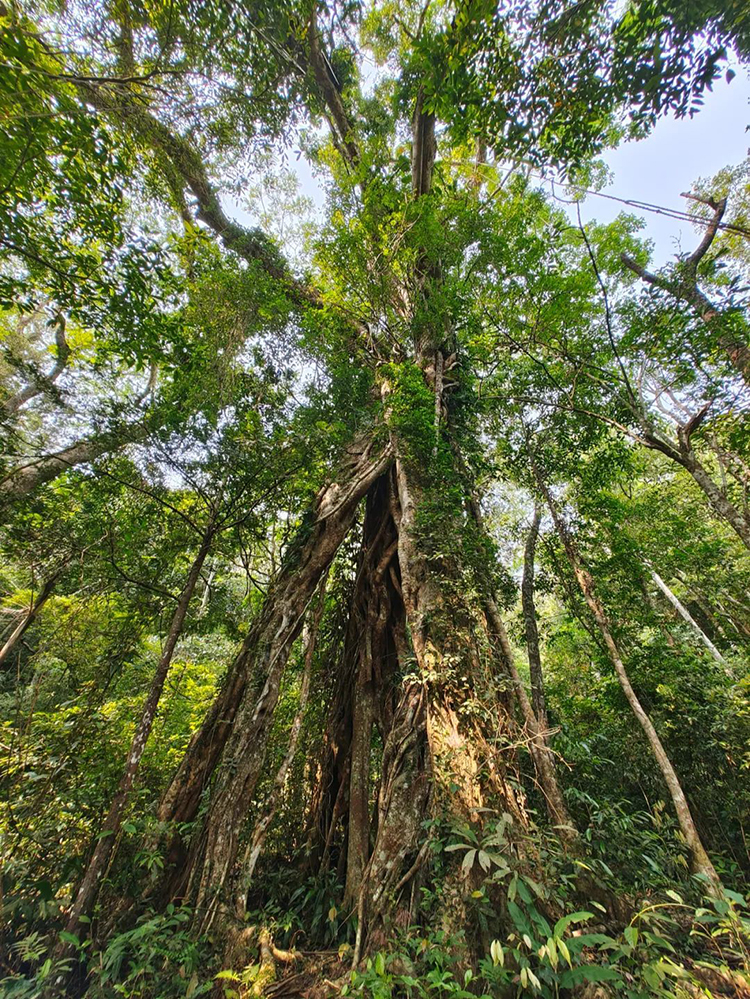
[375, 583]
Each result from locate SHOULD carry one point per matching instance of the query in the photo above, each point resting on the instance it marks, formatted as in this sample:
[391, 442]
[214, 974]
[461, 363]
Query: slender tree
[700, 860]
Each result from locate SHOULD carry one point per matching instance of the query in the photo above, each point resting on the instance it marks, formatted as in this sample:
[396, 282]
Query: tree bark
[689, 619]
[258, 837]
[20, 629]
[436, 751]
[215, 850]
[25, 479]
[540, 752]
[684, 286]
[374, 610]
[530, 623]
[684, 455]
[701, 862]
[716, 498]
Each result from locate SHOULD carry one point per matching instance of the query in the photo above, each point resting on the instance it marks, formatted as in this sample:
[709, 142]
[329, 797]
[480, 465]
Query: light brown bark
[700, 860]
[436, 751]
[540, 751]
[31, 614]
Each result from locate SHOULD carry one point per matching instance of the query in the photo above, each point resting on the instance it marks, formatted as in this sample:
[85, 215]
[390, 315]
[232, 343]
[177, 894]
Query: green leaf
[468, 860]
[575, 917]
[631, 935]
[589, 973]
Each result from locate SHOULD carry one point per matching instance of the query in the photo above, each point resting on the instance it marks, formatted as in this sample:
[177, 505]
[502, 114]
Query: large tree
[451, 335]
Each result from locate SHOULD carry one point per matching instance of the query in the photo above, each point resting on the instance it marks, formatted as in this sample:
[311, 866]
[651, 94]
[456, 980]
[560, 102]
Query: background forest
[375, 584]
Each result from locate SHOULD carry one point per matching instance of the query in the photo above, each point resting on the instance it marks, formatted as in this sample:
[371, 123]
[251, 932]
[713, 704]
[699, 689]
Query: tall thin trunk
[331, 782]
[540, 752]
[28, 619]
[688, 618]
[530, 623]
[111, 825]
[258, 837]
[700, 860]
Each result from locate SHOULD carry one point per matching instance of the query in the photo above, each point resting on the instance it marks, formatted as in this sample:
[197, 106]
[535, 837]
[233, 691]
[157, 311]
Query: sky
[676, 153]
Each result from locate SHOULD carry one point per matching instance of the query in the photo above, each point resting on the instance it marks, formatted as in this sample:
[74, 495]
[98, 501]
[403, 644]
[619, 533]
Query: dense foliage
[374, 591]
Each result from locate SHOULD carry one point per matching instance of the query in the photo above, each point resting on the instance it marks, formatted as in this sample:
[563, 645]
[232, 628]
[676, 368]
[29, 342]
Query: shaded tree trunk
[541, 754]
[97, 864]
[376, 606]
[542, 757]
[258, 837]
[530, 623]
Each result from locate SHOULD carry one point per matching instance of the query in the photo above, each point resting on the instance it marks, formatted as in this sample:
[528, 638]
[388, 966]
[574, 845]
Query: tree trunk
[20, 629]
[700, 860]
[689, 619]
[24, 479]
[111, 825]
[541, 754]
[215, 849]
[436, 750]
[376, 607]
[544, 761]
[529, 618]
[258, 837]
[716, 498]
